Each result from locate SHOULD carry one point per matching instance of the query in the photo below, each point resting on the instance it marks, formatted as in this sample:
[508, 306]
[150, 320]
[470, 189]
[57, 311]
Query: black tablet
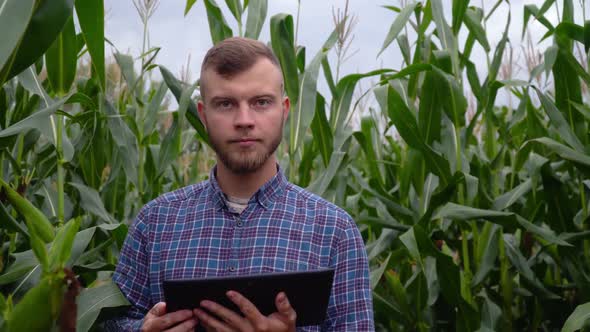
[307, 291]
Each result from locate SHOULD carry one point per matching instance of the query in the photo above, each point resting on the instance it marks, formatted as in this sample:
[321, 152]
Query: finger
[211, 323]
[247, 308]
[284, 307]
[228, 316]
[171, 319]
[157, 310]
[186, 326]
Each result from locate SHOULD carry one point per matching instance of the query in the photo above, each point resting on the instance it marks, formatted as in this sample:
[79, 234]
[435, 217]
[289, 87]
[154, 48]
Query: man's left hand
[283, 320]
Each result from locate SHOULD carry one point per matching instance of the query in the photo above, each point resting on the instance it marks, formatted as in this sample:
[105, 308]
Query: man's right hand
[158, 320]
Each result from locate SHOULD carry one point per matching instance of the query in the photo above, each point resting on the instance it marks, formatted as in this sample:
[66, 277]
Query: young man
[246, 219]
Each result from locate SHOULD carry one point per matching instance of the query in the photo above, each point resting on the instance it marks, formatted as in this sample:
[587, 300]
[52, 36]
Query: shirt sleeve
[351, 306]
[132, 277]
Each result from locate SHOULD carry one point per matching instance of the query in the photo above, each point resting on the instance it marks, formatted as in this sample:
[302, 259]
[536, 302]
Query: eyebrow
[270, 96]
[221, 98]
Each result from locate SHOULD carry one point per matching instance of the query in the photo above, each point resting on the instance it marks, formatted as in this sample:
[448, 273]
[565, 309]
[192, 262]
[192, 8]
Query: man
[246, 219]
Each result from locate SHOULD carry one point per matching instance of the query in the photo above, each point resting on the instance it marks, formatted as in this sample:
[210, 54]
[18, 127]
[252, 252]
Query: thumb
[158, 310]
[283, 305]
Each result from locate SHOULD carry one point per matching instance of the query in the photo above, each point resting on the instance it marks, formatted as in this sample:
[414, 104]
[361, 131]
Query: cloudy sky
[181, 36]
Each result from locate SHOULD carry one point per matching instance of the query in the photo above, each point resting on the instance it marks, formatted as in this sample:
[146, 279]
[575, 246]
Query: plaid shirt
[190, 233]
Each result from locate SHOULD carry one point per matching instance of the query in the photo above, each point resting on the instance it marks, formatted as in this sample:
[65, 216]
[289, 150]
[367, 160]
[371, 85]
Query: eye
[262, 103]
[223, 105]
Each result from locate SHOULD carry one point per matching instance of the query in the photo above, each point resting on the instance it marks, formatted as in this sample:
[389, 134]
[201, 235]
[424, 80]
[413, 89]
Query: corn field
[475, 213]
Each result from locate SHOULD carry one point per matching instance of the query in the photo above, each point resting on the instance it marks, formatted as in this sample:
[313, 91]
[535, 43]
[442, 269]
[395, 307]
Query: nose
[244, 117]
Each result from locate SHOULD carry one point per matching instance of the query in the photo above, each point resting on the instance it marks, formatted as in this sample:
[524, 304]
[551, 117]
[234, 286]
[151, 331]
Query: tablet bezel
[307, 291]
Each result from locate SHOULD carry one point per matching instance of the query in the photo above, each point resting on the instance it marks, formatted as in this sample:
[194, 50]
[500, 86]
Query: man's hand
[158, 320]
[281, 321]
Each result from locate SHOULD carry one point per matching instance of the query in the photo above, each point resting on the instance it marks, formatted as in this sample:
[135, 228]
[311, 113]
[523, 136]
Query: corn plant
[476, 222]
[474, 218]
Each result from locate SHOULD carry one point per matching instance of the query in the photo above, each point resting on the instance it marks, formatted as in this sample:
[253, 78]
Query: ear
[201, 111]
[286, 104]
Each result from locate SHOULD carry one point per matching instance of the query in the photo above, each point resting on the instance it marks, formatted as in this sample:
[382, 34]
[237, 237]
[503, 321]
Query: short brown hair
[235, 55]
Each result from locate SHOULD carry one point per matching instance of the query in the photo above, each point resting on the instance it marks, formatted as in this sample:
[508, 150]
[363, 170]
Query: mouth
[244, 142]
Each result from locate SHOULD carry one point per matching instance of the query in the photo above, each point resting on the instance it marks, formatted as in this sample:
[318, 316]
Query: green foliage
[47, 21]
[475, 215]
[91, 18]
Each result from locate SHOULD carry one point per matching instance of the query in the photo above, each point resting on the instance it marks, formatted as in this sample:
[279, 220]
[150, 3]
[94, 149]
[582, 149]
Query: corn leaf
[9, 223]
[459, 11]
[562, 126]
[41, 302]
[125, 62]
[235, 7]
[525, 272]
[580, 160]
[587, 36]
[533, 10]
[343, 98]
[405, 123]
[491, 315]
[14, 18]
[445, 34]
[430, 111]
[25, 263]
[398, 24]
[507, 199]
[509, 220]
[170, 148]
[321, 131]
[283, 43]
[37, 223]
[584, 110]
[321, 184]
[217, 24]
[192, 116]
[47, 22]
[303, 110]
[124, 139]
[60, 251]
[188, 6]
[473, 18]
[568, 11]
[91, 202]
[257, 11]
[152, 110]
[486, 252]
[578, 319]
[441, 196]
[376, 274]
[91, 17]
[61, 59]
[92, 300]
[399, 293]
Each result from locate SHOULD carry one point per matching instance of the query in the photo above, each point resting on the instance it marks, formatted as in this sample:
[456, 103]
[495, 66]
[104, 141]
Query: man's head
[233, 56]
[242, 104]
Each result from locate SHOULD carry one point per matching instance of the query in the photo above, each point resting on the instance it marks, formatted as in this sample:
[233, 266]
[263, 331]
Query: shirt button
[240, 224]
[232, 268]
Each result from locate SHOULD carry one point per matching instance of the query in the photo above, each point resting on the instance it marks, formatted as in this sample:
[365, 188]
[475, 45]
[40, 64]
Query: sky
[180, 37]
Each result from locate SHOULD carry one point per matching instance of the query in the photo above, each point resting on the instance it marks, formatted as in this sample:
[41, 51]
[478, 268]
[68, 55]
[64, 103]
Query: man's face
[244, 115]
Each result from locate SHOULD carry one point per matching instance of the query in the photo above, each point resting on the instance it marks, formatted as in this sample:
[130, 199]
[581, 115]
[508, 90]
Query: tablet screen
[307, 291]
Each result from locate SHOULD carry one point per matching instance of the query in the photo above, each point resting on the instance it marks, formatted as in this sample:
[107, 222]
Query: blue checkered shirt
[191, 233]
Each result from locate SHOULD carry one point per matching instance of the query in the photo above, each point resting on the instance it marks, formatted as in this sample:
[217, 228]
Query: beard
[247, 161]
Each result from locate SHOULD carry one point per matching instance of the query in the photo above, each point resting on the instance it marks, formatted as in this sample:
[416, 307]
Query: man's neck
[244, 185]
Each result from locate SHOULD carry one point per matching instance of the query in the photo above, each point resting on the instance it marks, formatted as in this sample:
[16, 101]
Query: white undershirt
[236, 204]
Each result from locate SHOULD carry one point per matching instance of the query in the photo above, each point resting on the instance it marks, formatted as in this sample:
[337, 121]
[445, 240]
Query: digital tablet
[307, 291]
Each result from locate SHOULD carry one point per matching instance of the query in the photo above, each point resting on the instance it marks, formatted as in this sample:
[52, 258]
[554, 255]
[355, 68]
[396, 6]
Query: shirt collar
[264, 196]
